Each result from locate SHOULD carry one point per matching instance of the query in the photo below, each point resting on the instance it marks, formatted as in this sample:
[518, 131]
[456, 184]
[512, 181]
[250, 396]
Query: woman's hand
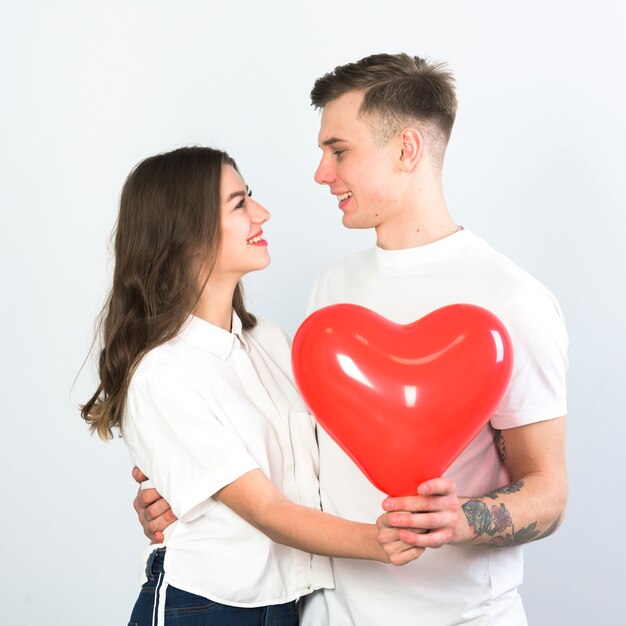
[398, 552]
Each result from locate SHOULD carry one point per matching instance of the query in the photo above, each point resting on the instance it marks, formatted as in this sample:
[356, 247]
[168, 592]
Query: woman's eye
[242, 202]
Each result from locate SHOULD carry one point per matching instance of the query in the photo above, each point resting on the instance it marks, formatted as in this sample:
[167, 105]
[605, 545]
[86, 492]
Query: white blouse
[202, 410]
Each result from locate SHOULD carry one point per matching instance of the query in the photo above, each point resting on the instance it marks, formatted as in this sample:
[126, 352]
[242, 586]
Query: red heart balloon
[403, 401]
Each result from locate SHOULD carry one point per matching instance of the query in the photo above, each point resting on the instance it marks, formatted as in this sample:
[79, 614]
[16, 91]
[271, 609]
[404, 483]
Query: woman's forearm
[254, 498]
[321, 533]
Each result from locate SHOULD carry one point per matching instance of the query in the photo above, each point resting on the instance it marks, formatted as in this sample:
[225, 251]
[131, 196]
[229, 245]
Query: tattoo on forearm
[519, 537]
[493, 520]
[512, 488]
[553, 527]
[487, 520]
[501, 445]
[514, 538]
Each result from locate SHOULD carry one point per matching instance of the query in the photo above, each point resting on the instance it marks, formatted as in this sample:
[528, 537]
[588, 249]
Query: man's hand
[153, 512]
[427, 520]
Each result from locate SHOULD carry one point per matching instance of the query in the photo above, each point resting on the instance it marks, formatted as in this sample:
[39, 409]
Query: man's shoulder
[348, 265]
[333, 283]
[500, 272]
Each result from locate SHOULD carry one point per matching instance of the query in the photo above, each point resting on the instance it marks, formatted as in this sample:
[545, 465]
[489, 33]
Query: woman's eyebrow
[234, 194]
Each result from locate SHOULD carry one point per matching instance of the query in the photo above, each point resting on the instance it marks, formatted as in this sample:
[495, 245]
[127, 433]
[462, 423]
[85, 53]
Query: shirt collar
[427, 253]
[216, 340]
[236, 328]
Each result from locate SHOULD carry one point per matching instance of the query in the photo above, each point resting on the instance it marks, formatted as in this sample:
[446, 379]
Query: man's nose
[324, 174]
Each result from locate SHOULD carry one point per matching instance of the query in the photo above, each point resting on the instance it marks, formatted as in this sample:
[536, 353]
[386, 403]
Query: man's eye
[338, 153]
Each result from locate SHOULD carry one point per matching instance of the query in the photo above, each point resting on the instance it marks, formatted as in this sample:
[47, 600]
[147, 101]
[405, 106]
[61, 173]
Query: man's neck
[425, 220]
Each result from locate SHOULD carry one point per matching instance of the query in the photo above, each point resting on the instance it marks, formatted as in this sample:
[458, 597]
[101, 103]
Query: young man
[386, 121]
[385, 125]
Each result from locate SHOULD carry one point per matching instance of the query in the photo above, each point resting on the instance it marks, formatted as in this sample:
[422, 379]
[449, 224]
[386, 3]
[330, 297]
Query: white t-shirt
[202, 410]
[450, 585]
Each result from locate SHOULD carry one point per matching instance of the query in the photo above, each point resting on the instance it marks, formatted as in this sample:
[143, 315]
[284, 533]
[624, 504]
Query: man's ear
[411, 147]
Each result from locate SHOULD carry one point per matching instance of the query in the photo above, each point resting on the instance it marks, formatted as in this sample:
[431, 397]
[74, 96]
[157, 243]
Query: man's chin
[349, 221]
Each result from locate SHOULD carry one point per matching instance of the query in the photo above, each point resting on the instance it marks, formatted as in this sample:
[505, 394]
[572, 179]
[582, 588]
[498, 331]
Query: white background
[536, 166]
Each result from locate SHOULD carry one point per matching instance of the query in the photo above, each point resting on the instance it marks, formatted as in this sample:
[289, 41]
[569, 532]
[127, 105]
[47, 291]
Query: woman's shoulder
[268, 333]
[164, 364]
[272, 340]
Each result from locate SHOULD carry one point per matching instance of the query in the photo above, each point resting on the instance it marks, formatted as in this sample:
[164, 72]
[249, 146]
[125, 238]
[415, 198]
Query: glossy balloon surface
[403, 401]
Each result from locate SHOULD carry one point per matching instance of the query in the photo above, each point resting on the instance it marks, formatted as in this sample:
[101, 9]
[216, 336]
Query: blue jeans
[187, 609]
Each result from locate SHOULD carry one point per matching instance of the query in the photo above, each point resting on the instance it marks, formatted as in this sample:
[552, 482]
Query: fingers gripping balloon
[403, 401]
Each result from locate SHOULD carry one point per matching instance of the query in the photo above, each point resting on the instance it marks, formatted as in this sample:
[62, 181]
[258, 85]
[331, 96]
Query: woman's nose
[260, 214]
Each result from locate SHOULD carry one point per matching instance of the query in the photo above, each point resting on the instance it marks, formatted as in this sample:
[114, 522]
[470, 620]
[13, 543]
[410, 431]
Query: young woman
[203, 395]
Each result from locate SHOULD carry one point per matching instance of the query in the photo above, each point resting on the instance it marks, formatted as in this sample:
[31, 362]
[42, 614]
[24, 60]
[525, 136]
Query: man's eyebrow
[332, 141]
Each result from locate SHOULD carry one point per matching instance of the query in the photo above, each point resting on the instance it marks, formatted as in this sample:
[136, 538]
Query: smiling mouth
[344, 196]
[258, 238]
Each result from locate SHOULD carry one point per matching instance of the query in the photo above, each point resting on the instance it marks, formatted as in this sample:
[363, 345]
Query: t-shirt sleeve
[537, 389]
[316, 300]
[177, 440]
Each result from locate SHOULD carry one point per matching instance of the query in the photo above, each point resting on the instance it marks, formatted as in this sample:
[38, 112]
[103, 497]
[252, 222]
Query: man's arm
[154, 513]
[531, 507]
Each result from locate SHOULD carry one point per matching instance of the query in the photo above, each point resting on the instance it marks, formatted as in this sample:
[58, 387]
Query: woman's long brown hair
[169, 210]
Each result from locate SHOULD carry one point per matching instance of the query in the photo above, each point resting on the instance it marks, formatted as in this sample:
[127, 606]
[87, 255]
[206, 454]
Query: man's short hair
[399, 90]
